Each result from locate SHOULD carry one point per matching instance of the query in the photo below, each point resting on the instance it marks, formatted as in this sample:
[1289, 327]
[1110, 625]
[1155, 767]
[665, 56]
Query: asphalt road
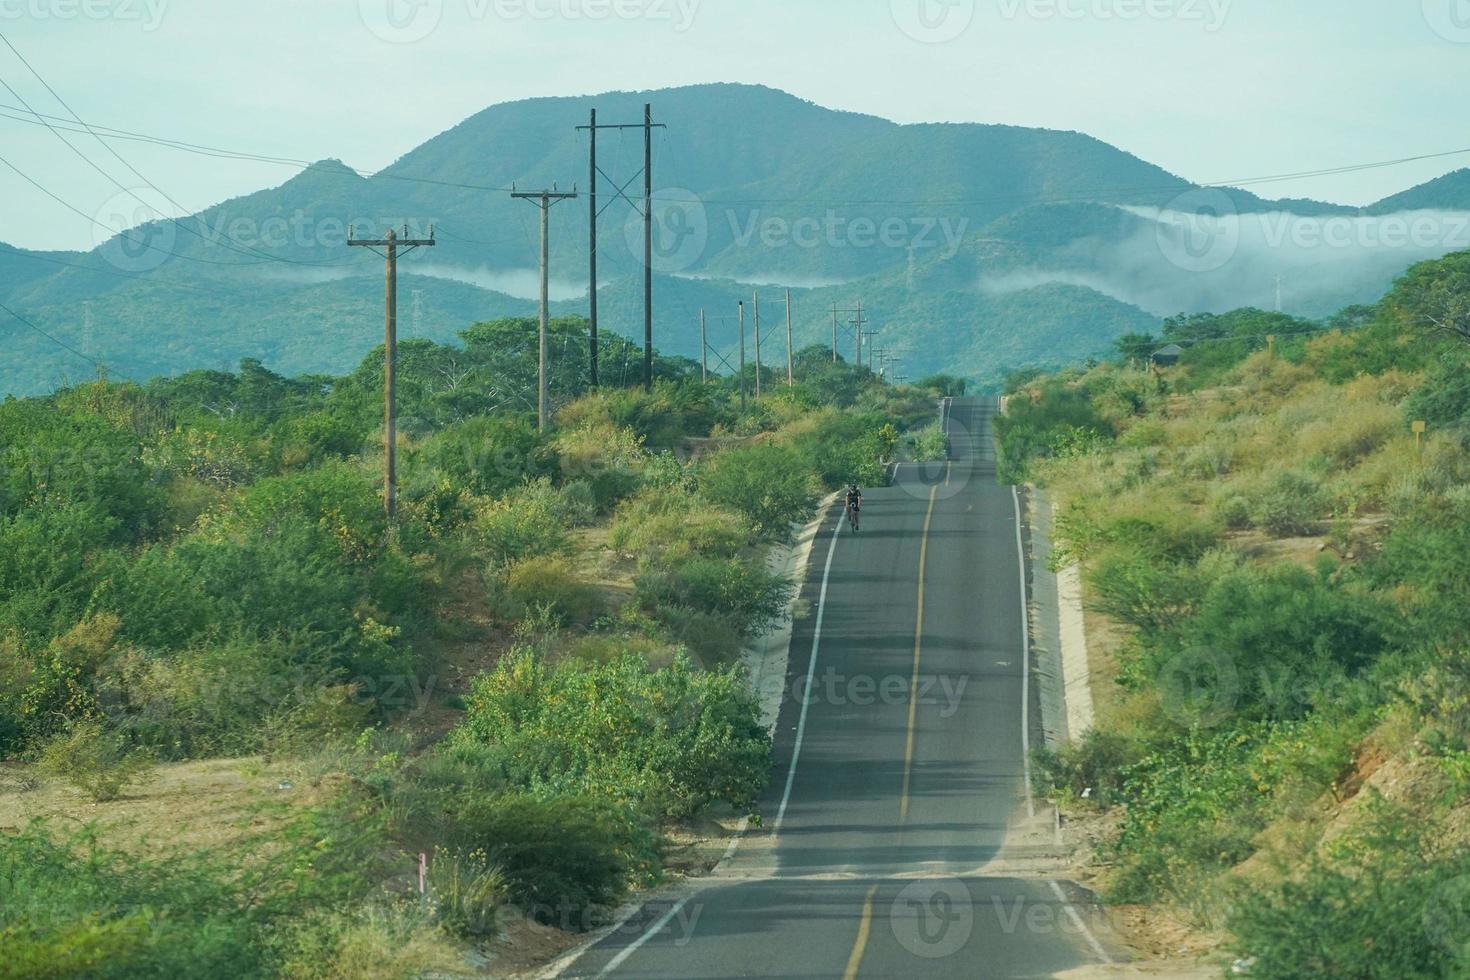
[908, 757]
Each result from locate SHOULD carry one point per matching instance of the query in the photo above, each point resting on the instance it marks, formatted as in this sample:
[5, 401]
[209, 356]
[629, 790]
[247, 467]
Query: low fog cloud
[1208, 260]
[516, 283]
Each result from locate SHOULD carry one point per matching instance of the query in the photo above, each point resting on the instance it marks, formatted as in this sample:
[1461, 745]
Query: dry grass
[188, 806]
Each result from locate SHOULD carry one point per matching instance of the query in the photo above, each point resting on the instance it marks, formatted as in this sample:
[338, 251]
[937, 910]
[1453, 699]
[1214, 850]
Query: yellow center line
[908, 754]
[860, 945]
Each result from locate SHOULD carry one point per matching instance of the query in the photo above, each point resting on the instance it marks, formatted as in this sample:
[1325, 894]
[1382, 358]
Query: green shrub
[766, 483]
[747, 594]
[466, 892]
[1096, 766]
[669, 525]
[929, 443]
[1289, 506]
[608, 459]
[489, 455]
[528, 523]
[565, 859]
[551, 583]
[846, 447]
[1143, 591]
[94, 760]
[1284, 638]
[1386, 903]
[672, 740]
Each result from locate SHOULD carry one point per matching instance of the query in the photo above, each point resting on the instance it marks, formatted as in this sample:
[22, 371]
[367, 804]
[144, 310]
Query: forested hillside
[264, 699]
[935, 228]
[1274, 568]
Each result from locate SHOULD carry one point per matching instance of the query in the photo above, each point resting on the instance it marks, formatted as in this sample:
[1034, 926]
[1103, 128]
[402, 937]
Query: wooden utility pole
[870, 334]
[756, 305]
[545, 200]
[647, 247]
[648, 126]
[834, 333]
[742, 357]
[858, 362]
[790, 367]
[592, 253]
[703, 350]
[391, 244]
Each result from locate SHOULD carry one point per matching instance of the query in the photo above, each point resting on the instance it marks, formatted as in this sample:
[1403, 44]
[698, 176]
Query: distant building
[1167, 356]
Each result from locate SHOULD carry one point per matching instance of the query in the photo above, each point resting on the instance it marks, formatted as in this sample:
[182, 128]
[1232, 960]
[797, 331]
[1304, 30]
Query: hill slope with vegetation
[1275, 568]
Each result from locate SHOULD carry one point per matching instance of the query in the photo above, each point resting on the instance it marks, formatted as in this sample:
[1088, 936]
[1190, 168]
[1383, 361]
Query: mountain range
[972, 248]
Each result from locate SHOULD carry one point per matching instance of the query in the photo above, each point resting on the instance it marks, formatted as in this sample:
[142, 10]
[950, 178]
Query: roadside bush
[748, 595]
[487, 455]
[672, 740]
[664, 526]
[466, 892]
[844, 447]
[607, 458]
[1284, 638]
[1387, 902]
[929, 444]
[388, 942]
[1095, 766]
[546, 582]
[768, 484]
[527, 523]
[564, 859]
[1143, 591]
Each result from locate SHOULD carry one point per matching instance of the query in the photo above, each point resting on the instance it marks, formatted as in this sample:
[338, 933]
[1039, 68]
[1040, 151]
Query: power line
[106, 227]
[55, 340]
[243, 249]
[60, 122]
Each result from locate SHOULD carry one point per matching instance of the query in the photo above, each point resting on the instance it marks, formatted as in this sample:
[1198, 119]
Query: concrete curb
[1060, 638]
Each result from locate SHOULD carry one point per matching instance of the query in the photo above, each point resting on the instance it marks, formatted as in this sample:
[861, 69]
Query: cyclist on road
[854, 504]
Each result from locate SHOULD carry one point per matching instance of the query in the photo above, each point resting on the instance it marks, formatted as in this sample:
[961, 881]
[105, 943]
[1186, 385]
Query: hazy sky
[1209, 89]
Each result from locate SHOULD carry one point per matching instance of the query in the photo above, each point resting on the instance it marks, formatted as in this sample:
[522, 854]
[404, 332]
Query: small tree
[95, 761]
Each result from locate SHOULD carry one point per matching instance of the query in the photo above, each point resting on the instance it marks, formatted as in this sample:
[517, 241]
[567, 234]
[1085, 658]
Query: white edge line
[1071, 911]
[625, 914]
[811, 670]
[656, 928]
[1025, 663]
